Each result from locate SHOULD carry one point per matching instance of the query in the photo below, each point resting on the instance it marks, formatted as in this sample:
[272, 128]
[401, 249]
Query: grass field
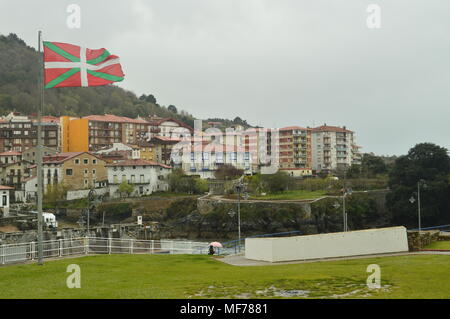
[194, 276]
[295, 194]
[439, 245]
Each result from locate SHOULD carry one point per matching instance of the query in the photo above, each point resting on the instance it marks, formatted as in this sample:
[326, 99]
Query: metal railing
[21, 252]
[444, 228]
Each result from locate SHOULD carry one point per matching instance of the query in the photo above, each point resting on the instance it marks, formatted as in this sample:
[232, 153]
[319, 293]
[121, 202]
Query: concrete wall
[353, 243]
[83, 193]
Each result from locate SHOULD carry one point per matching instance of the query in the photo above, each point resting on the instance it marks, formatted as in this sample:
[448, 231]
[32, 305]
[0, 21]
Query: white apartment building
[146, 176]
[205, 159]
[333, 148]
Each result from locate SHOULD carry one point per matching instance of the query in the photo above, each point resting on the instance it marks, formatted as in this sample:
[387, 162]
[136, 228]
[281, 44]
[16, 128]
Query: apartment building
[95, 132]
[19, 132]
[206, 158]
[295, 147]
[333, 148]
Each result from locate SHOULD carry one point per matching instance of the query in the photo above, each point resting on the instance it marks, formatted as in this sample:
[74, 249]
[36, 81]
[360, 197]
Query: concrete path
[240, 260]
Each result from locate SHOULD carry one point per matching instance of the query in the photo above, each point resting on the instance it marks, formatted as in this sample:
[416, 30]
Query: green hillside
[18, 90]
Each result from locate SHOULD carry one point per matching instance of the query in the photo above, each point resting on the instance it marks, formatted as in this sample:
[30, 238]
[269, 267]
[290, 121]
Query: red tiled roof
[114, 118]
[50, 119]
[3, 187]
[296, 169]
[290, 128]
[62, 157]
[167, 139]
[159, 121]
[328, 128]
[10, 153]
[138, 162]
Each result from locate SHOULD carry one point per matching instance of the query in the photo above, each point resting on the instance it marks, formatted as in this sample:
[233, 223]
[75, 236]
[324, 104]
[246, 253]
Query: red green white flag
[70, 65]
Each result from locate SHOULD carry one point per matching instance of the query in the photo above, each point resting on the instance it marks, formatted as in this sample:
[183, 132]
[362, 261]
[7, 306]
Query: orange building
[74, 134]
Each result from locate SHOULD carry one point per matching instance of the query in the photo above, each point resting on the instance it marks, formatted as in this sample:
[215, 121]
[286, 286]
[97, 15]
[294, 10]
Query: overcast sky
[273, 63]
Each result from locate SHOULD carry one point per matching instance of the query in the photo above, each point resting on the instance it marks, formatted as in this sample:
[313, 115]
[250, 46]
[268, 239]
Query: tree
[278, 182]
[172, 108]
[227, 172]
[427, 162]
[372, 165]
[125, 188]
[182, 183]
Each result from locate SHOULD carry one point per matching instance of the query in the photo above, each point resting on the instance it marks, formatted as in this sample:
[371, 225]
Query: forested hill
[18, 90]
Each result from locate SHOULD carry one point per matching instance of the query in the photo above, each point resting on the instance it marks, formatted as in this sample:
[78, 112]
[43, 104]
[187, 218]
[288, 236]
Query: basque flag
[70, 65]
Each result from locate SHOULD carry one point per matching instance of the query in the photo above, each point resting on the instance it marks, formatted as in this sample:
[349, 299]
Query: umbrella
[215, 244]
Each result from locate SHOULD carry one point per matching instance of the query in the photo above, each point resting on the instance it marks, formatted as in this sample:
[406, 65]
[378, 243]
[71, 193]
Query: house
[167, 127]
[146, 176]
[31, 153]
[133, 151]
[4, 200]
[77, 170]
[29, 189]
[10, 157]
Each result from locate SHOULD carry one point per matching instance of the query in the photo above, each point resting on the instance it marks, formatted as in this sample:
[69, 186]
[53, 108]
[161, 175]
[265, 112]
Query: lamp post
[412, 200]
[346, 191]
[91, 197]
[239, 187]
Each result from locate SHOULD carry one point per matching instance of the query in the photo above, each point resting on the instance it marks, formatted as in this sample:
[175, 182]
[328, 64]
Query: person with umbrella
[212, 245]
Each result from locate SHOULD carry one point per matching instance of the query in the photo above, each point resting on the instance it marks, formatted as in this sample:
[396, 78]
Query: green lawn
[439, 245]
[295, 194]
[194, 276]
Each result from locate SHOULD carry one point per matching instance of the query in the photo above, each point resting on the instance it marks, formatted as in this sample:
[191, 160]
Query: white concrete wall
[353, 243]
[83, 193]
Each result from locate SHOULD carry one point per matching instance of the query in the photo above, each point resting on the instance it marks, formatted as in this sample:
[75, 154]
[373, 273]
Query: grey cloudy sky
[273, 63]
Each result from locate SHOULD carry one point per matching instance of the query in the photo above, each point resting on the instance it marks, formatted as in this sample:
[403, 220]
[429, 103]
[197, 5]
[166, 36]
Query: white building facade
[146, 176]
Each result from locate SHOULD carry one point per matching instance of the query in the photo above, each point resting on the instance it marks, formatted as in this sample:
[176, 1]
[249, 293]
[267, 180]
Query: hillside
[18, 91]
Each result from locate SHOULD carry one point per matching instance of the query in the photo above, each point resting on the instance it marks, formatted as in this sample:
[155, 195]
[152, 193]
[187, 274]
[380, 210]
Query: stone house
[76, 170]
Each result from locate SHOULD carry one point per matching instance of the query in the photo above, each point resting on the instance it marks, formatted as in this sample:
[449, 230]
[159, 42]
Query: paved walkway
[240, 260]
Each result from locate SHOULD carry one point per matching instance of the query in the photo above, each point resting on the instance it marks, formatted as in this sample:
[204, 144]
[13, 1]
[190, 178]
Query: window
[85, 182]
[115, 181]
[85, 172]
[132, 179]
[93, 172]
[69, 172]
[77, 161]
[86, 161]
[94, 161]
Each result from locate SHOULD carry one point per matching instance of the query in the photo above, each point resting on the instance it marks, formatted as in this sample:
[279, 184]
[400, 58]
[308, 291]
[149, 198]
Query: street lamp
[91, 198]
[346, 191]
[412, 199]
[239, 188]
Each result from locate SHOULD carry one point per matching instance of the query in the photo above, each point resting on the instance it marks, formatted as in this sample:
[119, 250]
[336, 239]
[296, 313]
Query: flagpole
[39, 150]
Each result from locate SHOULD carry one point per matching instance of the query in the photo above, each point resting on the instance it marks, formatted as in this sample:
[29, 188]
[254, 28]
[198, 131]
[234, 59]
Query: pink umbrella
[215, 244]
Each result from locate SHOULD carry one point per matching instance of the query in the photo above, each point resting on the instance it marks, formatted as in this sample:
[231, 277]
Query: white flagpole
[39, 150]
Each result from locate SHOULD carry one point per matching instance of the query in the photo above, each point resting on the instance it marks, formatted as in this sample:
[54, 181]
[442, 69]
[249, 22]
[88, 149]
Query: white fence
[14, 253]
